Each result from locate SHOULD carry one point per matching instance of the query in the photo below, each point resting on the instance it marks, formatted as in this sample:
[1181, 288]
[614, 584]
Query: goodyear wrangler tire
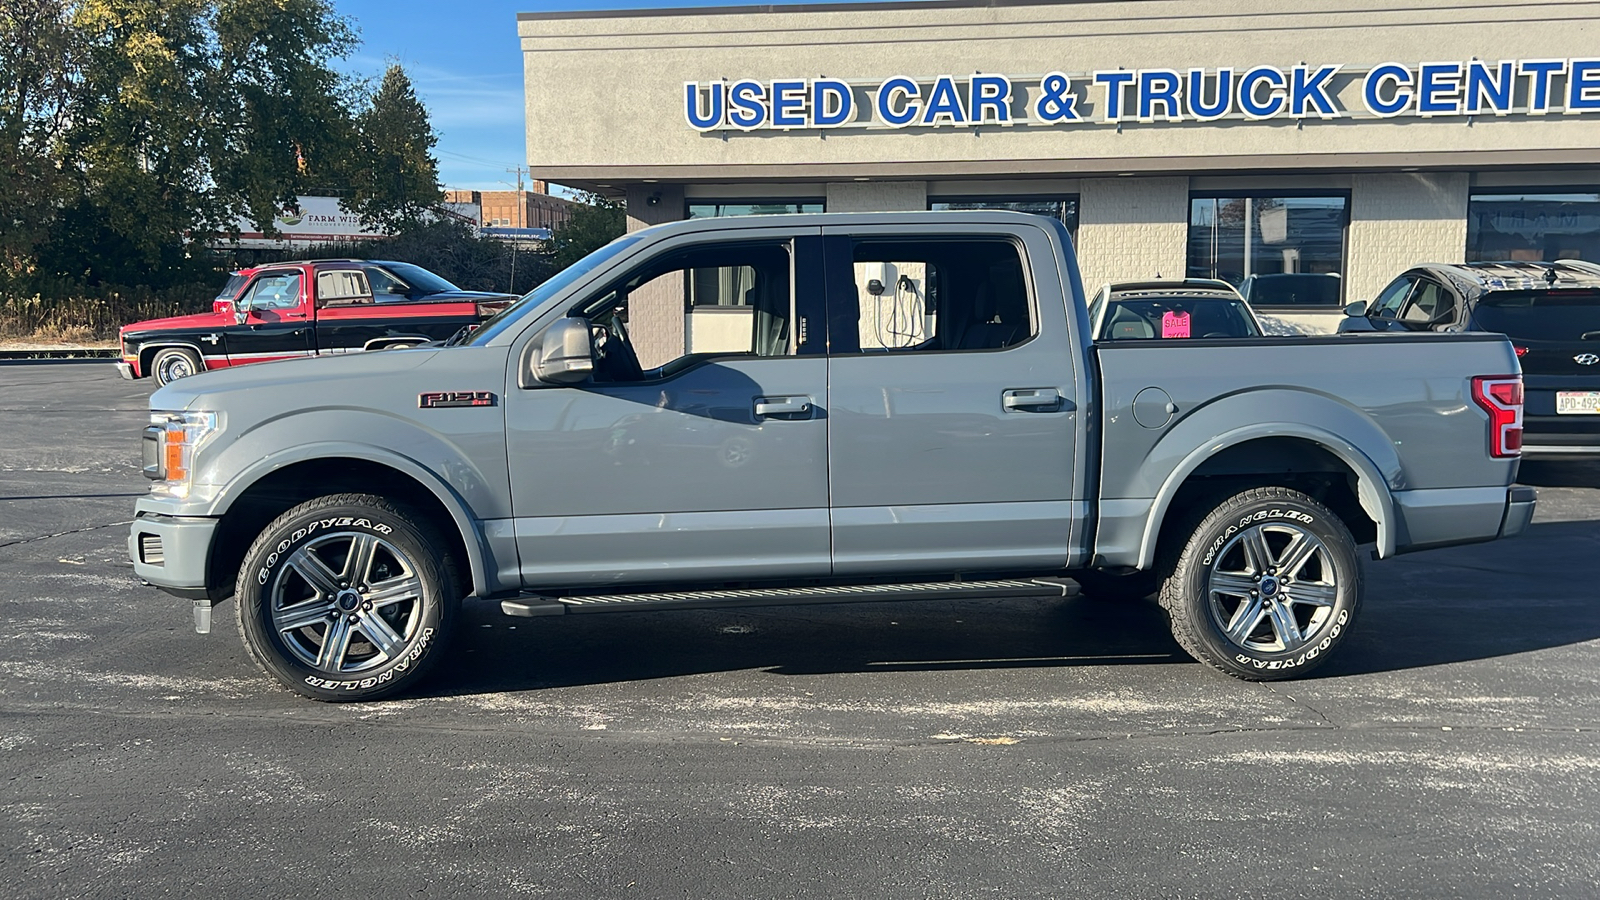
[347, 597]
[1266, 587]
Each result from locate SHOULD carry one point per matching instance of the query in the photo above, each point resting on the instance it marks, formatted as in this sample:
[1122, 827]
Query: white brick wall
[1400, 220]
[1132, 228]
[877, 196]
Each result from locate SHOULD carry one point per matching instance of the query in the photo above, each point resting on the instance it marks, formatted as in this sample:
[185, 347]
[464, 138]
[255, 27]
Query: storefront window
[1063, 208]
[1278, 250]
[714, 209]
[1533, 227]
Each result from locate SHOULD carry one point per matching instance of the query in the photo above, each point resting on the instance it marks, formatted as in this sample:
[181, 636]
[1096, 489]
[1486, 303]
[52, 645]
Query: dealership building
[1207, 138]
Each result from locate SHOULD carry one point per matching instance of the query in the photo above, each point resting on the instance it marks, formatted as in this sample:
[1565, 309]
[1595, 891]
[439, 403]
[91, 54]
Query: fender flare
[390, 339]
[1372, 490]
[471, 536]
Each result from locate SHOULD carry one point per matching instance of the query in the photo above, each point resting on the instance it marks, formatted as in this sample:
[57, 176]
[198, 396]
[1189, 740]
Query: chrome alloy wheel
[1272, 588]
[173, 367]
[347, 602]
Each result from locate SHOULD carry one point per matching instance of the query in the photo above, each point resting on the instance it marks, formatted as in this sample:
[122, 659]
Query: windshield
[1176, 317]
[1570, 315]
[420, 278]
[231, 289]
[555, 285]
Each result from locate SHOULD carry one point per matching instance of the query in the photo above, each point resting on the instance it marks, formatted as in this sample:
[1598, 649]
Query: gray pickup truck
[819, 409]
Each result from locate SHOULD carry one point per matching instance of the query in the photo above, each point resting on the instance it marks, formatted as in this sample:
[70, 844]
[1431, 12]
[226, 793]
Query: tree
[595, 222]
[183, 114]
[39, 55]
[395, 179]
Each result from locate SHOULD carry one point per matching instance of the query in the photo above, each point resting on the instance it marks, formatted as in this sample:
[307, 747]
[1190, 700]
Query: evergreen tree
[395, 179]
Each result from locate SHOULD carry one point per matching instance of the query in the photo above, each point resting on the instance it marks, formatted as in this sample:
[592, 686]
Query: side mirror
[564, 353]
[241, 314]
[1355, 309]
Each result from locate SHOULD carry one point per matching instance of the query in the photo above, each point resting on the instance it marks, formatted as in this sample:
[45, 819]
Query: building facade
[536, 208]
[1233, 139]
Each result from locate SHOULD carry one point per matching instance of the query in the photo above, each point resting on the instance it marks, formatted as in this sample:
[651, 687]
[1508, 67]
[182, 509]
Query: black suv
[1549, 310]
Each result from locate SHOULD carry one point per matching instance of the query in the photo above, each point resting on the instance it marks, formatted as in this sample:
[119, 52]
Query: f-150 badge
[444, 399]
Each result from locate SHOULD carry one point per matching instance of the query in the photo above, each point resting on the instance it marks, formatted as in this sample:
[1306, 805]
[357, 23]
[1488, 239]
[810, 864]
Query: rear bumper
[1449, 516]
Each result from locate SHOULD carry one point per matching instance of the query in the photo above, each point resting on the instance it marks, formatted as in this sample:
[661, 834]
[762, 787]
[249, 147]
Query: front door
[953, 413]
[277, 320]
[697, 452]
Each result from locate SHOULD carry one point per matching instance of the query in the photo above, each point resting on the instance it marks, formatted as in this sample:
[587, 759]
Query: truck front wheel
[1266, 586]
[171, 363]
[347, 597]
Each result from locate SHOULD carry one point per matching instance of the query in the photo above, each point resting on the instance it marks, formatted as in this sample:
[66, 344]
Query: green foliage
[595, 222]
[394, 178]
[133, 131]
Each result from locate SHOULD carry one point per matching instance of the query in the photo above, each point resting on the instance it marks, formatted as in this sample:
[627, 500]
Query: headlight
[170, 442]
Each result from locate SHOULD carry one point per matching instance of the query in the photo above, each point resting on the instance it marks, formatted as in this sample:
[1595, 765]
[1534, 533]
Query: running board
[529, 605]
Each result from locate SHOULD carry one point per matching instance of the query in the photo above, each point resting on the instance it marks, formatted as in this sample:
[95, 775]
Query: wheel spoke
[1297, 554]
[386, 593]
[1283, 622]
[1257, 555]
[1232, 584]
[1245, 619]
[301, 615]
[334, 644]
[359, 563]
[1312, 594]
[315, 572]
[385, 638]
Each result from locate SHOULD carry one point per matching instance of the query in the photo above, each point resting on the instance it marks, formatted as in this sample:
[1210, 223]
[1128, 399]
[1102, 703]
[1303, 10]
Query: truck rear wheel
[347, 597]
[1266, 586]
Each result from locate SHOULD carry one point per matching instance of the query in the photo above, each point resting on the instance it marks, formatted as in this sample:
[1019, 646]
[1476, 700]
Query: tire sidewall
[264, 564]
[157, 361]
[1234, 516]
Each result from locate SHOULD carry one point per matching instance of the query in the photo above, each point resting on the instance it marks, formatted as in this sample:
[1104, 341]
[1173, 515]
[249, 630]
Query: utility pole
[522, 205]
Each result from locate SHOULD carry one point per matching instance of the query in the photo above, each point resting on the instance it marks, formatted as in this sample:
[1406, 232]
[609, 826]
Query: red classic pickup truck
[306, 308]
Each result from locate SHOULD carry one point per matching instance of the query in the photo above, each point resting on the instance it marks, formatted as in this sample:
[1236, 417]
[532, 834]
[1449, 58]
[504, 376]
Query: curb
[80, 353]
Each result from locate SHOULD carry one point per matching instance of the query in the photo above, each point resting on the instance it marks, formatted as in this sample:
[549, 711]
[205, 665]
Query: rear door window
[1427, 305]
[339, 287]
[1566, 316]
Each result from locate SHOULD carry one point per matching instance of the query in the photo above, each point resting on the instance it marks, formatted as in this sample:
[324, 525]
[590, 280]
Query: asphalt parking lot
[1015, 748]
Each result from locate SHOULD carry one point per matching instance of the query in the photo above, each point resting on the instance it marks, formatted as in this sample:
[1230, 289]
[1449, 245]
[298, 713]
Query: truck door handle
[1047, 399]
[782, 406]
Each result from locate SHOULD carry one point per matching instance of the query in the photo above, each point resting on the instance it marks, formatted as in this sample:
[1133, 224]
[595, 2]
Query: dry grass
[82, 320]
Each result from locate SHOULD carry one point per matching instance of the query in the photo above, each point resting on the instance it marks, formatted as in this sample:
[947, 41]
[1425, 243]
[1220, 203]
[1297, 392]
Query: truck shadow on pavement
[1446, 606]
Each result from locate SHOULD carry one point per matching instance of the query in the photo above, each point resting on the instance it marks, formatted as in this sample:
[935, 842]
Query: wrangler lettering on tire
[1265, 585]
[347, 597]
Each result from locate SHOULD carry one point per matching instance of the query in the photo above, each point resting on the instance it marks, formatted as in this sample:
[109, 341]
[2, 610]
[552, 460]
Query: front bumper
[125, 369]
[172, 552]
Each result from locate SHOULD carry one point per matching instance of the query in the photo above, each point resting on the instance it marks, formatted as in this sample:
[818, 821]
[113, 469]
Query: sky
[466, 64]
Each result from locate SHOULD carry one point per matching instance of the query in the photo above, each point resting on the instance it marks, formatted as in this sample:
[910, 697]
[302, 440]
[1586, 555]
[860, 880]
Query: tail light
[1501, 397]
[1521, 351]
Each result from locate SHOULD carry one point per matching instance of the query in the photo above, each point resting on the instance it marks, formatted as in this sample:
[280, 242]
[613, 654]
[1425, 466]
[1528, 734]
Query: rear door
[951, 401]
[277, 319]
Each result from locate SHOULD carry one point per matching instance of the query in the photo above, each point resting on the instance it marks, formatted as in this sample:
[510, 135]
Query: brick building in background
[517, 209]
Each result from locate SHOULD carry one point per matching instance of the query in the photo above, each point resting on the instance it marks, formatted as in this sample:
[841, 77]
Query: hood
[298, 378]
[467, 296]
[177, 323]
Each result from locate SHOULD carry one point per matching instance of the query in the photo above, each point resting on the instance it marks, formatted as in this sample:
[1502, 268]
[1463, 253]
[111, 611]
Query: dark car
[1549, 310]
[1156, 310]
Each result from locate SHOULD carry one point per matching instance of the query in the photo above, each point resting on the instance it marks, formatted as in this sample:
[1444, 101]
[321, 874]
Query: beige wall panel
[1400, 220]
[877, 196]
[606, 91]
[1132, 228]
[656, 309]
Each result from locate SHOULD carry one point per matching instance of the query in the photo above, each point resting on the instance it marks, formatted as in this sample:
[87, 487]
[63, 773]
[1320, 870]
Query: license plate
[1578, 403]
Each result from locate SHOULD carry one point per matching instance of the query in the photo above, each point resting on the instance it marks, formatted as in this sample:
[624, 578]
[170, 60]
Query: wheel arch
[272, 486]
[1290, 454]
[147, 354]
